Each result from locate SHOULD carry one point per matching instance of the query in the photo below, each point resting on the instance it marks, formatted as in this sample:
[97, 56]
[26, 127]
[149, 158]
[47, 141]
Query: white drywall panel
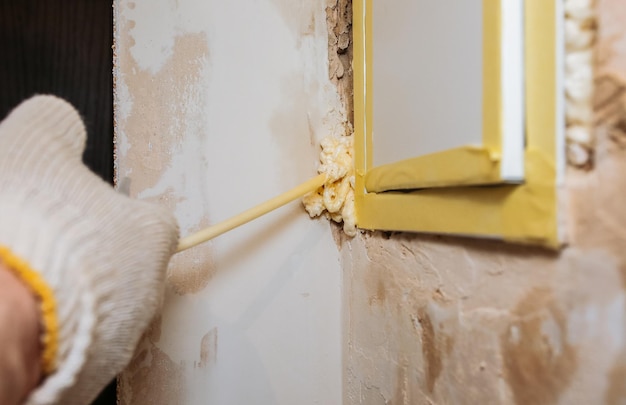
[219, 106]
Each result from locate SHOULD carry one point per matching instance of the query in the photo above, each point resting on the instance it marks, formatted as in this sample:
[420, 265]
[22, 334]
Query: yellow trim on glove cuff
[47, 301]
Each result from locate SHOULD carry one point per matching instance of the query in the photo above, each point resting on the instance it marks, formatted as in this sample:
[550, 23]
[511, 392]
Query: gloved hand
[95, 259]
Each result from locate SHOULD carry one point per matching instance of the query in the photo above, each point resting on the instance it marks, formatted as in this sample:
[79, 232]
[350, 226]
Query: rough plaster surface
[431, 320]
[339, 23]
[425, 319]
[219, 106]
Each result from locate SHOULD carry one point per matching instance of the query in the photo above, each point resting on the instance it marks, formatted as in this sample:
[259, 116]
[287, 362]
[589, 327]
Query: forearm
[20, 364]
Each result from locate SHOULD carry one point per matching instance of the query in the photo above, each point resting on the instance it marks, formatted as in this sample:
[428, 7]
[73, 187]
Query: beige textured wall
[444, 320]
[426, 319]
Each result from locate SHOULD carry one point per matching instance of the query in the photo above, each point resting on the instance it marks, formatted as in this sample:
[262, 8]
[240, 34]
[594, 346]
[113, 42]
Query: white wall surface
[220, 105]
[427, 77]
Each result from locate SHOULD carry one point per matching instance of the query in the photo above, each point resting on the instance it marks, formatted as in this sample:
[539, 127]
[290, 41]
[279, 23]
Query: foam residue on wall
[335, 199]
[580, 36]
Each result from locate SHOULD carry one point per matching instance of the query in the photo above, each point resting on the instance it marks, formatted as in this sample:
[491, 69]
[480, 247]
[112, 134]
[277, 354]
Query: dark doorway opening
[63, 47]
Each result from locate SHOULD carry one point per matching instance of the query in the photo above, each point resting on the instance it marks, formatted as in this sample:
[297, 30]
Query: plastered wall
[433, 320]
[221, 105]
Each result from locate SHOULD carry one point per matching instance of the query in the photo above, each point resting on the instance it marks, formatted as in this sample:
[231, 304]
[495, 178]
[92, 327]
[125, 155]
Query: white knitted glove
[95, 259]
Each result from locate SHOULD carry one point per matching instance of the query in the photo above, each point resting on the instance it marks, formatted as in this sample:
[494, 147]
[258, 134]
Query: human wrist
[20, 347]
[94, 259]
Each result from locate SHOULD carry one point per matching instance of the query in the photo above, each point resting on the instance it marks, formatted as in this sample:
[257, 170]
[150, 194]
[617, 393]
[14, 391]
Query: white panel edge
[512, 81]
